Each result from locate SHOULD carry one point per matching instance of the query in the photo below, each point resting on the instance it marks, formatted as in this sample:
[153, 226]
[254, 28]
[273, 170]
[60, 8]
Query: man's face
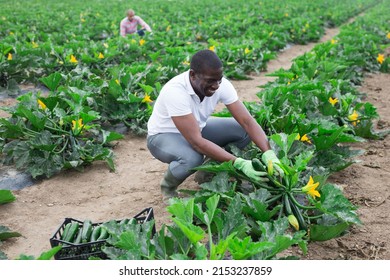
[130, 16]
[207, 82]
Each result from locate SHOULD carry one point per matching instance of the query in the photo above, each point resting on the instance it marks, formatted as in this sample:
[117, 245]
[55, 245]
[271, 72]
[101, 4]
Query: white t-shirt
[178, 98]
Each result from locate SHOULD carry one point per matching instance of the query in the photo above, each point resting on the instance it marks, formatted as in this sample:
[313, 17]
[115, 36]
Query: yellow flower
[247, 51]
[270, 34]
[77, 126]
[73, 59]
[41, 104]
[101, 56]
[117, 81]
[353, 117]
[293, 221]
[105, 45]
[333, 101]
[9, 56]
[288, 82]
[333, 41]
[388, 35]
[212, 48]
[142, 42]
[380, 58]
[82, 20]
[146, 99]
[168, 28]
[186, 62]
[303, 138]
[11, 33]
[286, 14]
[307, 25]
[34, 45]
[311, 187]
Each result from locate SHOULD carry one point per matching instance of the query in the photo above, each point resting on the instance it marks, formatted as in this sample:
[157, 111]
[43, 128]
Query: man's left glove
[271, 156]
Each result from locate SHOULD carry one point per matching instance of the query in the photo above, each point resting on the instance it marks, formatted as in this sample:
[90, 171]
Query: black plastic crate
[84, 251]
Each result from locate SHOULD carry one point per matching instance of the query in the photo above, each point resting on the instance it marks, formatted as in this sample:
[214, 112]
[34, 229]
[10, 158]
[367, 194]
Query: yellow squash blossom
[293, 221]
[212, 48]
[388, 35]
[333, 101]
[117, 81]
[77, 126]
[186, 62]
[168, 28]
[247, 51]
[270, 34]
[41, 104]
[380, 58]
[311, 187]
[353, 117]
[303, 138]
[146, 99]
[333, 41]
[286, 14]
[101, 56]
[9, 56]
[73, 59]
[34, 45]
[142, 42]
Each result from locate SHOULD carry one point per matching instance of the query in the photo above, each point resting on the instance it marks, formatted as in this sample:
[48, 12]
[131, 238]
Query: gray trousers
[174, 149]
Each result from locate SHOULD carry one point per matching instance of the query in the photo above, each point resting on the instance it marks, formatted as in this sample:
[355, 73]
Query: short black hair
[205, 59]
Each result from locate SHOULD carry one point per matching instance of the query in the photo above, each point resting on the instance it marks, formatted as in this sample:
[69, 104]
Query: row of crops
[97, 79]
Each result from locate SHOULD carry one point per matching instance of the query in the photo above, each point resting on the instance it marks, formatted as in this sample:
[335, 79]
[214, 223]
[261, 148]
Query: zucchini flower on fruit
[146, 99]
[73, 59]
[270, 168]
[41, 104]
[353, 117]
[293, 221]
[212, 48]
[9, 56]
[380, 58]
[388, 35]
[101, 56]
[333, 101]
[311, 188]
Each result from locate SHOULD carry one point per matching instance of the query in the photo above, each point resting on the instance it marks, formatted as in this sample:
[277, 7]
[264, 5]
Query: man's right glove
[271, 156]
[246, 167]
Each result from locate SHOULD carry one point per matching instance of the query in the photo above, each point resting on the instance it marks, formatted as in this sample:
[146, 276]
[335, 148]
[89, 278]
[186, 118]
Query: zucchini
[69, 237]
[87, 231]
[132, 221]
[66, 230]
[103, 234]
[257, 165]
[287, 204]
[124, 222]
[96, 233]
[297, 213]
[78, 237]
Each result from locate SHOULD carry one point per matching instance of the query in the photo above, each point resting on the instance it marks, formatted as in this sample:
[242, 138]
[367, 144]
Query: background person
[181, 132]
[129, 25]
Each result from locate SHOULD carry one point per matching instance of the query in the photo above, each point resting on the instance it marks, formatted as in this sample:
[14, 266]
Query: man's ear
[192, 74]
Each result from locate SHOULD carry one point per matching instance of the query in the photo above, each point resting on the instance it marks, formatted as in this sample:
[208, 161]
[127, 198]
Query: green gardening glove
[246, 167]
[271, 156]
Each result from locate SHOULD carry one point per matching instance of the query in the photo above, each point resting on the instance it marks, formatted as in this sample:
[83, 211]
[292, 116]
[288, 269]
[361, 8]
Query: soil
[100, 195]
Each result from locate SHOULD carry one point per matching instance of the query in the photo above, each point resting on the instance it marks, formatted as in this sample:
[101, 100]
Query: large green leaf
[52, 81]
[6, 196]
[334, 202]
